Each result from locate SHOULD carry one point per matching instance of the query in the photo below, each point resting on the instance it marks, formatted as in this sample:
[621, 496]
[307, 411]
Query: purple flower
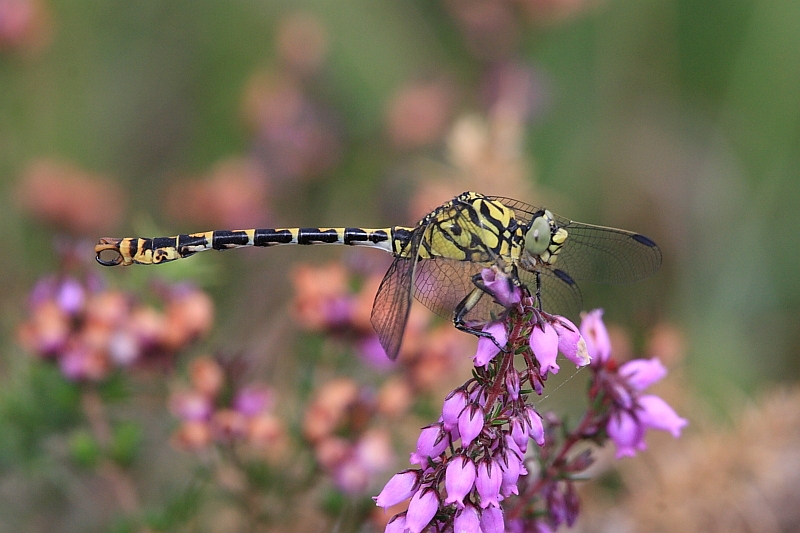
[544, 343]
[467, 520]
[595, 334]
[401, 487]
[512, 468]
[453, 405]
[657, 414]
[71, 296]
[490, 477]
[252, 400]
[519, 432]
[432, 442]
[459, 479]
[570, 341]
[492, 520]
[501, 286]
[627, 433]
[372, 353]
[470, 423]
[641, 373]
[513, 384]
[535, 427]
[397, 524]
[421, 509]
[487, 349]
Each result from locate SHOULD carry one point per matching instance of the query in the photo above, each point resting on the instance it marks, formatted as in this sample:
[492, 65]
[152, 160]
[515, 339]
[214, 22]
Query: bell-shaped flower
[490, 477]
[421, 509]
[535, 426]
[519, 432]
[512, 383]
[641, 373]
[487, 349]
[432, 441]
[512, 468]
[470, 423]
[459, 478]
[467, 520]
[627, 433]
[397, 524]
[595, 334]
[657, 414]
[544, 343]
[492, 520]
[570, 341]
[455, 402]
[402, 486]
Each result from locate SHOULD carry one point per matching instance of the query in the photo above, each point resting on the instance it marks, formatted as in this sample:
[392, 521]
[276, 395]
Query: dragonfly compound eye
[537, 239]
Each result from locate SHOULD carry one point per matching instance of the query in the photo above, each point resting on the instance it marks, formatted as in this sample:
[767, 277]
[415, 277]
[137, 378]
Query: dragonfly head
[107, 252]
[537, 238]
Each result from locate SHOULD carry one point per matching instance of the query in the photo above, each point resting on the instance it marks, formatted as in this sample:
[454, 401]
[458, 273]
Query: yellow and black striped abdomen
[145, 251]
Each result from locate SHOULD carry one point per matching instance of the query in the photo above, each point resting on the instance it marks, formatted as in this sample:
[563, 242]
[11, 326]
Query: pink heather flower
[490, 477]
[453, 405]
[657, 414]
[487, 349]
[535, 427]
[432, 442]
[512, 468]
[397, 524]
[512, 445]
[421, 509]
[470, 423]
[459, 478]
[372, 353]
[570, 341]
[252, 400]
[190, 406]
[467, 520]
[504, 290]
[641, 373]
[627, 434]
[544, 343]
[492, 520]
[350, 476]
[513, 384]
[595, 334]
[399, 488]
[71, 296]
[519, 432]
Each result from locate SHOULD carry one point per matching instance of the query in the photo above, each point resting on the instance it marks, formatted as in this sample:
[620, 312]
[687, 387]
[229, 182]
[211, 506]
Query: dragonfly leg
[467, 304]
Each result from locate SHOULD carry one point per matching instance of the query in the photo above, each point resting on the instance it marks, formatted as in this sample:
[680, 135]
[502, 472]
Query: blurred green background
[675, 118]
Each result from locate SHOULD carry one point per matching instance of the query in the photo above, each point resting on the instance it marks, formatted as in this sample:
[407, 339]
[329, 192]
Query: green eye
[538, 237]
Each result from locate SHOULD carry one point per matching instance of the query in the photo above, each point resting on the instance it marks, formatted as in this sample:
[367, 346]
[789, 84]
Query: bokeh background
[675, 118]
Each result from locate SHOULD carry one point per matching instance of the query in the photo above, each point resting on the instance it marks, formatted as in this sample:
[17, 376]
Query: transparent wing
[560, 294]
[597, 253]
[393, 299]
[606, 255]
[441, 284]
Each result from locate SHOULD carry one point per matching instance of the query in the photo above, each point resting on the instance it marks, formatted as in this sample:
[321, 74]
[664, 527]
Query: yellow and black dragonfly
[439, 260]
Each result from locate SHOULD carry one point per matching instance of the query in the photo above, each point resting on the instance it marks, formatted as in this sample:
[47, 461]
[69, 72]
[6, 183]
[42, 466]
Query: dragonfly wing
[441, 284]
[393, 299]
[606, 255]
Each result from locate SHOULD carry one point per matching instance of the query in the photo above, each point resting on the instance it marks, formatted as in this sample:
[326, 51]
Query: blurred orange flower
[69, 198]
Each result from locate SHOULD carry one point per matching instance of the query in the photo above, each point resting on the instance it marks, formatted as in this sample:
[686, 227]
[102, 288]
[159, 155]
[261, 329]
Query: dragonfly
[439, 260]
